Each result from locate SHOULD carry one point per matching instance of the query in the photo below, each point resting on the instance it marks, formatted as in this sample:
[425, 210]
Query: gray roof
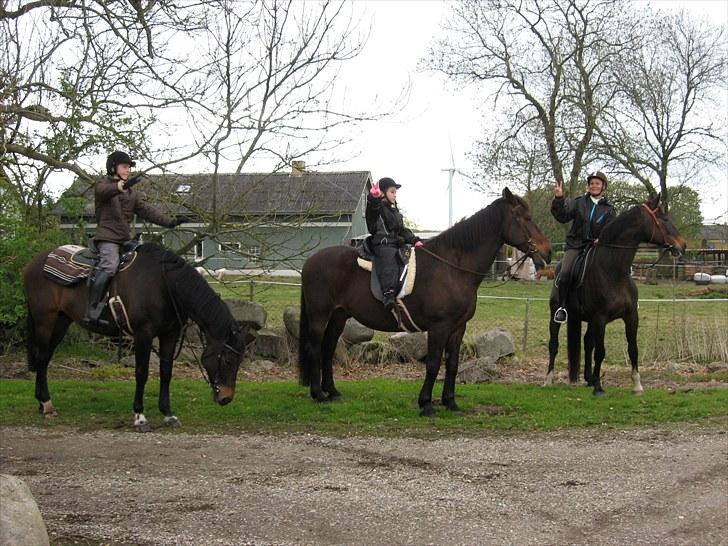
[245, 194]
[715, 232]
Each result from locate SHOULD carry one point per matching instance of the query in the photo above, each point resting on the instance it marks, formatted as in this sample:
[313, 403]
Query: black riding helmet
[387, 182]
[118, 158]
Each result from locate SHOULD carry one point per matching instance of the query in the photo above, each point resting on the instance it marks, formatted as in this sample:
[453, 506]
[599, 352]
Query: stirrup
[561, 320]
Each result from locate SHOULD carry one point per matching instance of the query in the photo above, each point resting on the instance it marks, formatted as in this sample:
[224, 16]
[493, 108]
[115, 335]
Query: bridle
[214, 382]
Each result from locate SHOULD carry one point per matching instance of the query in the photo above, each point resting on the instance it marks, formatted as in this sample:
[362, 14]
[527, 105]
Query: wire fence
[672, 329]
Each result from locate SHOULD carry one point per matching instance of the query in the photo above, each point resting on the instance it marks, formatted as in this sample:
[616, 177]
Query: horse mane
[466, 233]
[612, 231]
[190, 290]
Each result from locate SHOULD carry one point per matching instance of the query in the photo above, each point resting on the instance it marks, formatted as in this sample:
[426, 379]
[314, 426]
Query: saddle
[70, 264]
[406, 280]
[578, 269]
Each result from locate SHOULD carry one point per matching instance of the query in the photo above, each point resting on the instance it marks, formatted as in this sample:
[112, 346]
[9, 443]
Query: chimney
[298, 167]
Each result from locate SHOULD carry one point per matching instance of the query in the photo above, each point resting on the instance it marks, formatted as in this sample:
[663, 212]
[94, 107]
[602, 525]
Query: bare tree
[548, 63]
[668, 120]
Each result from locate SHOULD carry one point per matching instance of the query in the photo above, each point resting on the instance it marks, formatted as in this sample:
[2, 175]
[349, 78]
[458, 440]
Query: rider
[590, 213]
[386, 225]
[116, 204]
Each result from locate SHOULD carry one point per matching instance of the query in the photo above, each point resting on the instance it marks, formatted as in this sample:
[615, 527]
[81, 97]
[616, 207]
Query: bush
[19, 242]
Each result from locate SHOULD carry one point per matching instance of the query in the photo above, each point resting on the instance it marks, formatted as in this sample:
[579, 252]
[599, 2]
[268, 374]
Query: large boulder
[20, 521]
[248, 313]
[478, 370]
[292, 321]
[269, 344]
[410, 346]
[369, 352]
[356, 332]
[495, 344]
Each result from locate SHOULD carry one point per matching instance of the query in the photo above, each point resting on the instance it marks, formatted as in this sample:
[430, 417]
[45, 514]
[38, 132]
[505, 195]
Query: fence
[672, 328]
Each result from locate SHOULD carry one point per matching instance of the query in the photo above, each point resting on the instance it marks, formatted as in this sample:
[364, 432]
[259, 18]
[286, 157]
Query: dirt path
[648, 486]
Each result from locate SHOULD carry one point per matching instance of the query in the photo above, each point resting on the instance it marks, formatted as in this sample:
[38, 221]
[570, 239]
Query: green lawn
[379, 407]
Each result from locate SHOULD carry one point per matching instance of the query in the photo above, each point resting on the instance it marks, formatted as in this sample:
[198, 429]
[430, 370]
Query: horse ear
[507, 194]
[654, 200]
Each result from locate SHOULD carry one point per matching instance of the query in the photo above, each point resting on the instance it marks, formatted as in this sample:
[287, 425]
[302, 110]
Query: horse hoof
[335, 397]
[428, 411]
[598, 392]
[172, 422]
[143, 427]
[50, 415]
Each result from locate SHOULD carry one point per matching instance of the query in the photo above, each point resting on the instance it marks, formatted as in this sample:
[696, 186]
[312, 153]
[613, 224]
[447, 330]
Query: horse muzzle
[677, 246]
[224, 395]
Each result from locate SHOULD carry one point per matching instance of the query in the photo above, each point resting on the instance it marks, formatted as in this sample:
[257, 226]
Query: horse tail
[30, 343]
[304, 355]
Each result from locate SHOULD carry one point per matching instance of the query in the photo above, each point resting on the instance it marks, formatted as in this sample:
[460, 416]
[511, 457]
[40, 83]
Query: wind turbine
[451, 174]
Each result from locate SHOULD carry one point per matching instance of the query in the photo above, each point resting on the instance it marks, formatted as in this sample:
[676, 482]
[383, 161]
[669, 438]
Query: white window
[229, 246]
[184, 188]
[253, 254]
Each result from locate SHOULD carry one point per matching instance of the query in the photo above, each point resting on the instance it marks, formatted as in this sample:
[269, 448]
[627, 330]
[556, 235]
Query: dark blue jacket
[588, 218]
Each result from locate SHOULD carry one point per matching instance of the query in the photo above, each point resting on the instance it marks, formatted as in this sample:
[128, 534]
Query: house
[264, 221]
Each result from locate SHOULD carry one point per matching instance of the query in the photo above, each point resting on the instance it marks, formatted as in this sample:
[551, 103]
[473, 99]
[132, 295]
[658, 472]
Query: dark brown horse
[450, 268]
[607, 291]
[160, 291]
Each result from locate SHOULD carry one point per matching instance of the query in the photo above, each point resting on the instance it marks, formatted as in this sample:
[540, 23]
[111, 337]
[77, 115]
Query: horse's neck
[618, 257]
[204, 307]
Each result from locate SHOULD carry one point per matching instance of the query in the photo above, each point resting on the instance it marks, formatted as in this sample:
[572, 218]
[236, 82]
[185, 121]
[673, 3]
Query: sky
[441, 123]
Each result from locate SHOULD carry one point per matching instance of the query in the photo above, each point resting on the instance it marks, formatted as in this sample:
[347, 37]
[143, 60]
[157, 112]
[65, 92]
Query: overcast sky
[414, 148]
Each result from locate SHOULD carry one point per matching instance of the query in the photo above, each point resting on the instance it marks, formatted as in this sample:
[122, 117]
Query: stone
[356, 332]
[269, 344]
[478, 370]
[410, 346]
[21, 523]
[248, 313]
[495, 343]
[291, 321]
[369, 352]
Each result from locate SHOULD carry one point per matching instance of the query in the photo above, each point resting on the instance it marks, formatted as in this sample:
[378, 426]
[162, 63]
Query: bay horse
[450, 268]
[160, 291]
[607, 291]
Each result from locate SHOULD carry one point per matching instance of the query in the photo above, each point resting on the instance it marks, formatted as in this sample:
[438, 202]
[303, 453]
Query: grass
[383, 407]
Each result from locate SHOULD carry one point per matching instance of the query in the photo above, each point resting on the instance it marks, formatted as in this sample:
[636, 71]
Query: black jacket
[588, 218]
[386, 225]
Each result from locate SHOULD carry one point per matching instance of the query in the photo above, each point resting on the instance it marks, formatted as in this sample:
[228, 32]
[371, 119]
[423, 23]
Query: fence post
[252, 290]
[525, 327]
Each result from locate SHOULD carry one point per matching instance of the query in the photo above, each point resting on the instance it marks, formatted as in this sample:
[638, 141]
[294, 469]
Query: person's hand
[180, 220]
[559, 189]
[418, 244]
[120, 186]
[132, 182]
[375, 191]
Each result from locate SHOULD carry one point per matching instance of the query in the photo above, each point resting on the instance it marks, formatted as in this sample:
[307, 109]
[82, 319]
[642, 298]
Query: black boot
[388, 299]
[96, 291]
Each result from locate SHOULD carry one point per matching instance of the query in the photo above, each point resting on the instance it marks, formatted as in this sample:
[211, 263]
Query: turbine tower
[451, 174]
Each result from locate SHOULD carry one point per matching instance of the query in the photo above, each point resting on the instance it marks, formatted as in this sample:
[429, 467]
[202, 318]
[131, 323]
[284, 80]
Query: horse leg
[328, 348]
[142, 349]
[42, 342]
[573, 345]
[631, 323]
[599, 327]
[554, 328]
[588, 350]
[167, 345]
[452, 357]
[435, 346]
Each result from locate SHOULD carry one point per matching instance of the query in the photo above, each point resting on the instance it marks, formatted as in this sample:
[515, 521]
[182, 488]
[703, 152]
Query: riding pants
[563, 280]
[108, 256]
[387, 267]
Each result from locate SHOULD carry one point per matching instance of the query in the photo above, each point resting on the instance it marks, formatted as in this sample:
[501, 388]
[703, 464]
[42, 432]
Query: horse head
[221, 360]
[521, 232]
[660, 227]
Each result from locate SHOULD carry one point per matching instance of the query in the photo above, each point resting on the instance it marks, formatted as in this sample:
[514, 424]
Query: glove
[418, 244]
[375, 191]
[132, 182]
[180, 220]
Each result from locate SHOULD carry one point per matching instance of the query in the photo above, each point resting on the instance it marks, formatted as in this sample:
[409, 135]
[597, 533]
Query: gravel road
[645, 486]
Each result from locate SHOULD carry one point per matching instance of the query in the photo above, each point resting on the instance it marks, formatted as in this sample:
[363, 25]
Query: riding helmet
[387, 182]
[118, 158]
[600, 175]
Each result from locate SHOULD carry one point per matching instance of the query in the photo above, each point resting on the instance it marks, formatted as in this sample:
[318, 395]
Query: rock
[356, 332]
[269, 344]
[369, 352]
[21, 523]
[495, 343]
[291, 320]
[410, 346]
[713, 367]
[248, 313]
[261, 365]
[479, 370]
[130, 362]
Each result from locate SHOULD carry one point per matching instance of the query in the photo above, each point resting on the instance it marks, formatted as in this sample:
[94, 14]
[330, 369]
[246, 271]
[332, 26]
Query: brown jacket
[115, 209]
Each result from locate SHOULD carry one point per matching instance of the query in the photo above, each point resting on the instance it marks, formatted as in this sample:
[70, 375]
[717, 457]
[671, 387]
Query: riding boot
[388, 299]
[96, 291]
